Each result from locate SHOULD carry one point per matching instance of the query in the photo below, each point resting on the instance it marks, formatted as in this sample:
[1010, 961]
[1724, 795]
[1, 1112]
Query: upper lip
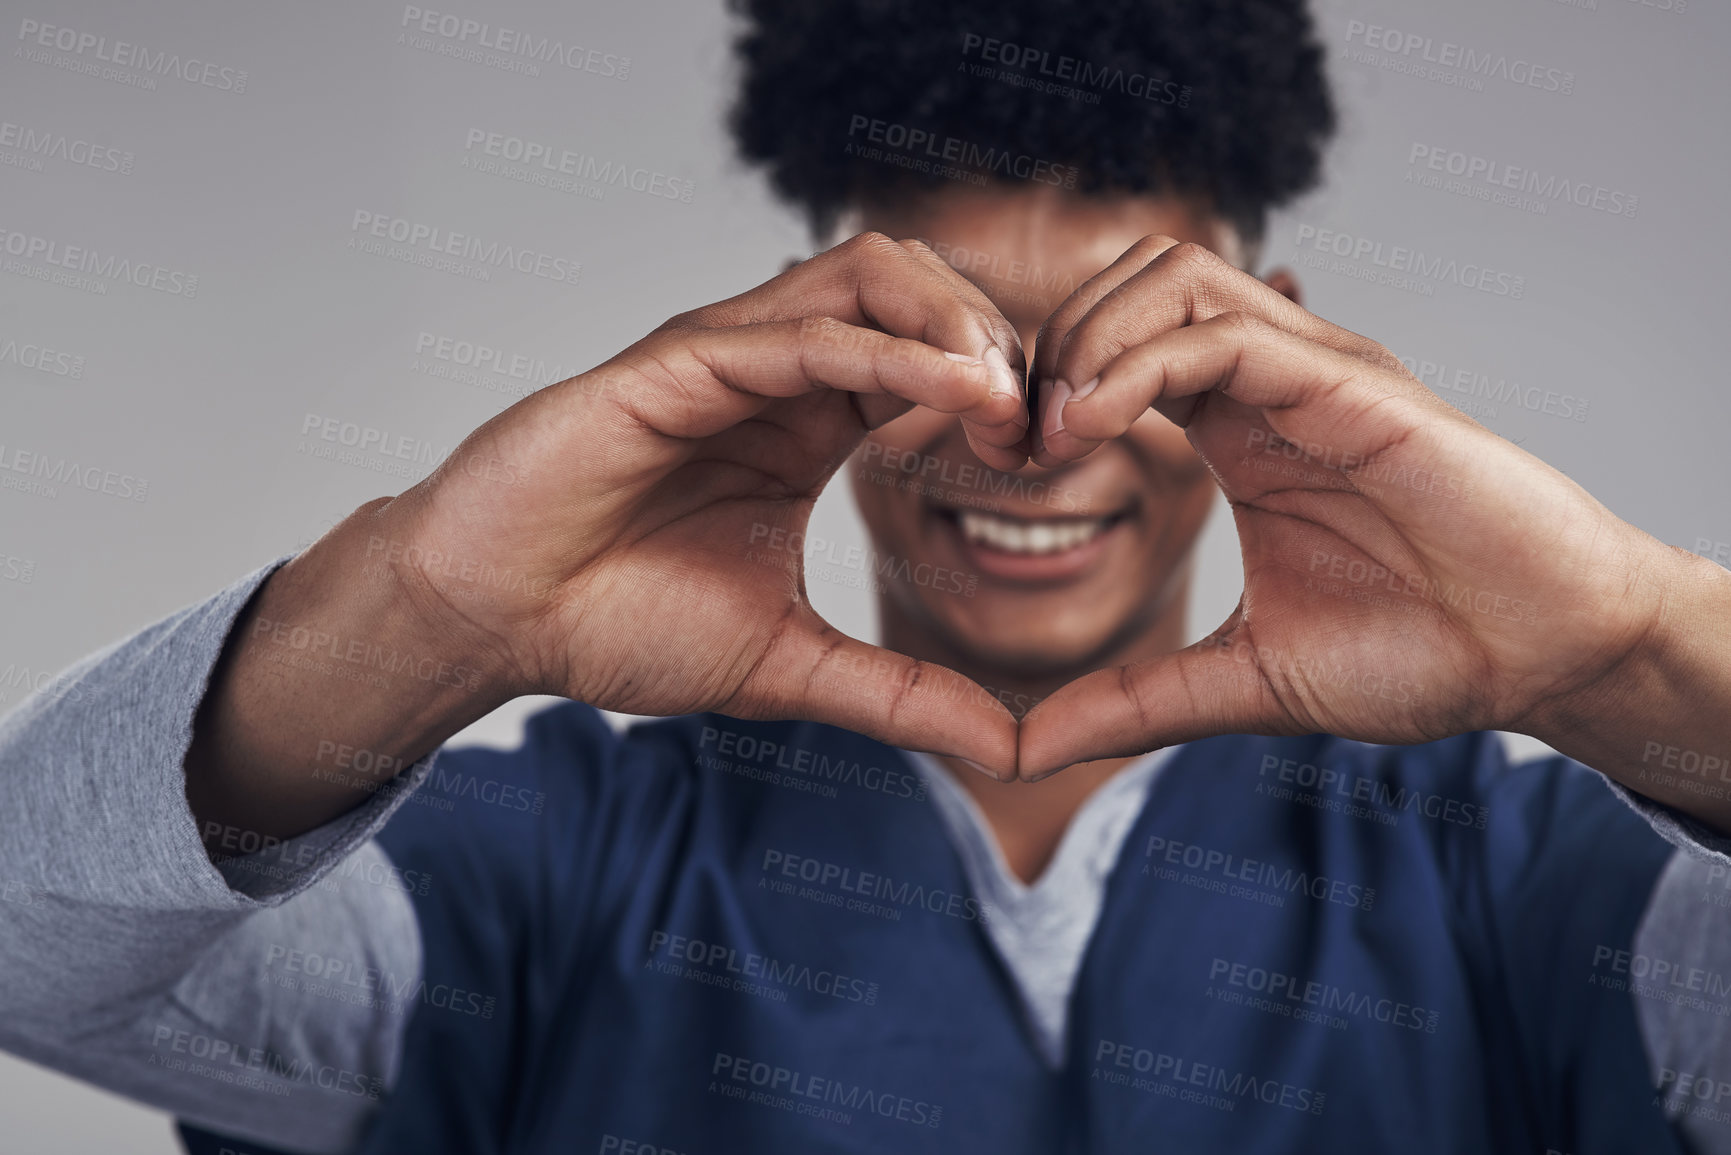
[1034, 516]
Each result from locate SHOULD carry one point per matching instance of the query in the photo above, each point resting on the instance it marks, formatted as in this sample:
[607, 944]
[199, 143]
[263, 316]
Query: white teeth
[1039, 537]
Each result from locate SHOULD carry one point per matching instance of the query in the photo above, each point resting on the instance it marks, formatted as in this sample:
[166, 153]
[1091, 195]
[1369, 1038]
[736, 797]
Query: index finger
[1160, 284]
[905, 290]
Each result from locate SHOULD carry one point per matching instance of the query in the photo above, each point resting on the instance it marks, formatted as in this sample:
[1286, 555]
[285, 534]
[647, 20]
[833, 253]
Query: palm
[708, 564]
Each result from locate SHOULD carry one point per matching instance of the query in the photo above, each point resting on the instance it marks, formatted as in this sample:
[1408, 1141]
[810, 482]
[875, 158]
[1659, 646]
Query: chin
[1025, 643]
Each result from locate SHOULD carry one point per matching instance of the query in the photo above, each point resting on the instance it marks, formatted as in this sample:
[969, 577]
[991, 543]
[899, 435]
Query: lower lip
[1062, 565]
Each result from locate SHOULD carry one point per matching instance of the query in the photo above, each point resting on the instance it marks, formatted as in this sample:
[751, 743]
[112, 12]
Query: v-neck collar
[1041, 930]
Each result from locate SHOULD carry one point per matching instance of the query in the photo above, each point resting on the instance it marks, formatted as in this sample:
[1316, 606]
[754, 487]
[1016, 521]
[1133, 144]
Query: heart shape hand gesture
[1408, 574]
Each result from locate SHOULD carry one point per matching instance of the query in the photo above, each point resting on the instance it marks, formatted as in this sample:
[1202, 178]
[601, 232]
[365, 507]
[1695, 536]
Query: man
[720, 935]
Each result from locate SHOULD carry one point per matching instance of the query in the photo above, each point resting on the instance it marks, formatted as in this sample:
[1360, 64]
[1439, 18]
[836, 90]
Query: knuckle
[1192, 258]
[821, 328]
[1153, 245]
[1383, 357]
[1050, 338]
[702, 318]
[1246, 326]
[870, 244]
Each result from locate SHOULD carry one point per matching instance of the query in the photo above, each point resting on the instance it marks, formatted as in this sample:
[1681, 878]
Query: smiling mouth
[1028, 537]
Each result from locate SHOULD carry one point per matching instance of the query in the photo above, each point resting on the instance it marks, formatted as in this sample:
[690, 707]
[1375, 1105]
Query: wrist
[1661, 703]
[413, 609]
[330, 684]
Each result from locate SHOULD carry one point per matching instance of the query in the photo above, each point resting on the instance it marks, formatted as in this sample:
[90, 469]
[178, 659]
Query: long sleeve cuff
[94, 770]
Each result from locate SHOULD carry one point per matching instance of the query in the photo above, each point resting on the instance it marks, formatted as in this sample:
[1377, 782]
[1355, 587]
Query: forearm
[339, 674]
[1660, 722]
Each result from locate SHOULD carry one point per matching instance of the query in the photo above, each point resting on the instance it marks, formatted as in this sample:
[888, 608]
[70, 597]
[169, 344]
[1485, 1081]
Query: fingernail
[1003, 377]
[1054, 422]
[977, 369]
[1084, 390]
[989, 773]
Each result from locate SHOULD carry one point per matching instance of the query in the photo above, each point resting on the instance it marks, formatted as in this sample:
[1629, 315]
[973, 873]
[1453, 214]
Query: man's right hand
[591, 541]
[630, 496]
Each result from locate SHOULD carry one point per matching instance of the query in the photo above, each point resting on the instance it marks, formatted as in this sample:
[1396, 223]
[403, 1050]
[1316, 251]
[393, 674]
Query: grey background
[254, 192]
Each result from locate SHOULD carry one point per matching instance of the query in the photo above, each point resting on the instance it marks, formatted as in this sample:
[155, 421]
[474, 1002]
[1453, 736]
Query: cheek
[892, 454]
[877, 471]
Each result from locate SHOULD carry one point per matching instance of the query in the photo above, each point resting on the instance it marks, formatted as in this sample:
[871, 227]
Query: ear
[1283, 281]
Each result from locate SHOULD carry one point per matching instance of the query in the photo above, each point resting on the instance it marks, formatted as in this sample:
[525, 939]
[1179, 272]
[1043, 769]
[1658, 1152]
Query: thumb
[816, 672]
[1213, 687]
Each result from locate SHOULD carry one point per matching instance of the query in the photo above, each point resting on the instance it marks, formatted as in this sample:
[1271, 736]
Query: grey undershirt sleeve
[1680, 976]
[1679, 973]
[128, 960]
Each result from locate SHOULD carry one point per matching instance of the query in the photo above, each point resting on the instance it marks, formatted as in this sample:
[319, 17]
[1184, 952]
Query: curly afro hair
[1223, 101]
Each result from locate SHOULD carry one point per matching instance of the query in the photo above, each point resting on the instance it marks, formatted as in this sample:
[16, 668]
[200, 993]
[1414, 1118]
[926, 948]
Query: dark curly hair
[1224, 101]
